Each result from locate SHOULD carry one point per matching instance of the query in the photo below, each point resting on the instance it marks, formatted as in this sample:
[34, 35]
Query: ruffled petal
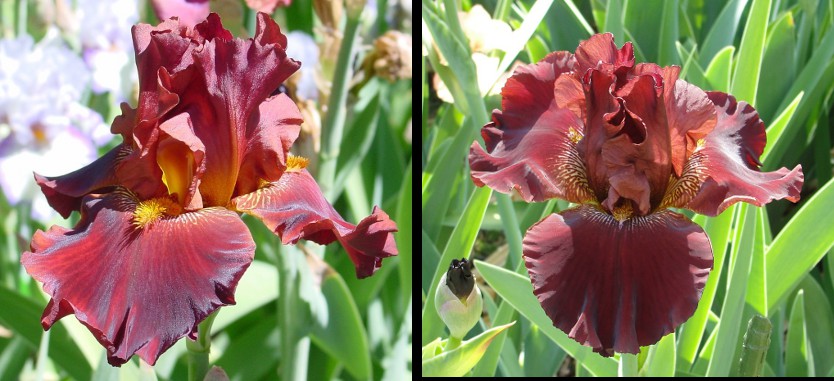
[528, 92]
[139, 289]
[601, 49]
[691, 116]
[728, 163]
[232, 79]
[615, 286]
[531, 144]
[294, 208]
[64, 193]
[277, 124]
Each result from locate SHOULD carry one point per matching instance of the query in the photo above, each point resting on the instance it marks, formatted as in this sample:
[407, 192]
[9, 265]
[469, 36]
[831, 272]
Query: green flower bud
[458, 300]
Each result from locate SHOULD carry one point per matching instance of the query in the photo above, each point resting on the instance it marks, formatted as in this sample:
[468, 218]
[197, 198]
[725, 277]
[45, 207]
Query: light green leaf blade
[457, 362]
[778, 66]
[518, 291]
[723, 31]
[775, 130]
[614, 20]
[719, 69]
[666, 52]
[746, 76]
[23, 316]
[748, 226]
[661, 359]
[718, 228]
[344, 325]
[798, 357]
[800, 245]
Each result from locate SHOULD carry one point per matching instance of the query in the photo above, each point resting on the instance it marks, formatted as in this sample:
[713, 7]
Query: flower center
[296, 163]
[148, 211]
[623, 212]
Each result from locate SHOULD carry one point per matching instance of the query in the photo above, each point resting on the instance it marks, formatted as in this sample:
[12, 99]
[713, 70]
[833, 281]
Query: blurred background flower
[44, 127]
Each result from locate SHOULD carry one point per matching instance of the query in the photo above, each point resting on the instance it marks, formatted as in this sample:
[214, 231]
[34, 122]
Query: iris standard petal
[531, 144]
[139, 289]
[293, 207]
[275, 127]
[616, 286]
[728, 163]
[64, 193]
[233, 78]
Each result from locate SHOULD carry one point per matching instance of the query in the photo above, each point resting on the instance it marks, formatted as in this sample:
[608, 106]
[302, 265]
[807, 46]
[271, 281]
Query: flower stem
[334, 122]
[198, 350]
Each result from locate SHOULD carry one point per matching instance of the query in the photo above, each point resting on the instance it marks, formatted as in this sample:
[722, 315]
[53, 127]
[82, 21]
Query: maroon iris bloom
[627, 143]
[160, 244]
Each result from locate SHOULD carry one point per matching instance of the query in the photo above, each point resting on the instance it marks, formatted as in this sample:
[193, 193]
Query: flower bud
[458, 300]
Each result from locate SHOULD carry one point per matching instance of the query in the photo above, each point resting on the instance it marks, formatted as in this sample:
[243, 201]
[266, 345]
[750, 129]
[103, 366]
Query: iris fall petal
[139, 289]
[616, 286]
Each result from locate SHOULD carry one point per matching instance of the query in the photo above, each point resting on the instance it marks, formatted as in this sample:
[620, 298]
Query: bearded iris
[160, 244]
[626, 142]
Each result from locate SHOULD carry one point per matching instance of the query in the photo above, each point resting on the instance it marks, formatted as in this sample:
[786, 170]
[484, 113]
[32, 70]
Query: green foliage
[775, 261]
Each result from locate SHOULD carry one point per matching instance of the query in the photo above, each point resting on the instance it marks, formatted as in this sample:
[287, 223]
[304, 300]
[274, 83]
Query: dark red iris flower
[160, 244]
[626, 142]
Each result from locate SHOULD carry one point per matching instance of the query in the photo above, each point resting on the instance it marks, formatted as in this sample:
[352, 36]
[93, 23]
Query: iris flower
[160, 244]
[626, 142]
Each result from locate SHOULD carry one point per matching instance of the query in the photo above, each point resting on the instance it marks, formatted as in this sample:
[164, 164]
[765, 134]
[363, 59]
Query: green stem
[295, 344]
[754, 349]
[334, 122]
[198, 350]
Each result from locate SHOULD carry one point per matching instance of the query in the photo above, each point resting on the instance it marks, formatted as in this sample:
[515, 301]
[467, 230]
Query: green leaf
[746, 77]
[257, 287]
[643, 19]
[749, 226]
[614, 20]
[775, 130]
[723, 31]
[799, 360]
[627, 366]
[459, 245]
[457, 362]
[344, 325]
[719, 69]
[357, 142]
[13, 358]
[522, 35]
[429, 259]
[661, 359]
[23, 316]
[567, 26]
[518, 291]
[667, 54]
[542, 357]
[778, 66]
[756, 296]
[253, 353]
[459, 58]
[820, 322]
[404, 236]
[718, 228]
[800, 245]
